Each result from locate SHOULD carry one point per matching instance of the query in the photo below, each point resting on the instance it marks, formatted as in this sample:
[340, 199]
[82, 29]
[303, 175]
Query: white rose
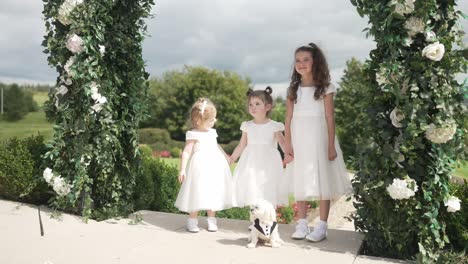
[397, 116]
[434, 51]
[75, 44]
[48, 175]
[453, 204]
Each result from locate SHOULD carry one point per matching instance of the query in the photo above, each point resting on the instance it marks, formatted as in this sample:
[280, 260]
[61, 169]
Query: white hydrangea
[414, 25]
[397, 116]
[434, 51]
[453, 204]
[75, 44]
[402, 189]
[404, 8]
[60, 186]
[65, 9]
[442, 134]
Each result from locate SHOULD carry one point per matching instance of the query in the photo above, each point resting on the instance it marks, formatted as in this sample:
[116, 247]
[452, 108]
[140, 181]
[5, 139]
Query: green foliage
[156, 186]
[285, 215]
[279, 111]
[173, 95]
[350, 110]
[425, 92]
[176, 152]
[457, 224]
[95, 149]
[145, 150]
[20, 170]
[235, 213]
[154, 135]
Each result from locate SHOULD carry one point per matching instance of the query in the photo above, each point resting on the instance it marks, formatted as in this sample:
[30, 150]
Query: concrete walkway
[158, 238]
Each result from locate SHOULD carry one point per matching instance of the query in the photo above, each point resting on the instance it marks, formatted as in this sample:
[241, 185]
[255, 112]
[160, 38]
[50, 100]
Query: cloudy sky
[255, 38]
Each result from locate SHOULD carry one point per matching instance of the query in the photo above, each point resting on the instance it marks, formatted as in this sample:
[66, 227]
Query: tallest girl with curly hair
[317, 170]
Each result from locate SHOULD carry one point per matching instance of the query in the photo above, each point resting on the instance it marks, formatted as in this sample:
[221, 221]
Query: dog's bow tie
[266, 230]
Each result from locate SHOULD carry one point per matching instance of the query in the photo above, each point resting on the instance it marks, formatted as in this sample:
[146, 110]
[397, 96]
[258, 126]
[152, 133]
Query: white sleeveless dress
[208, 179]
[259, 172]
[311, 174]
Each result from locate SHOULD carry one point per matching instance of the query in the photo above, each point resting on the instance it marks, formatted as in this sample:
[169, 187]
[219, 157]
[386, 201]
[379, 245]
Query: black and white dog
[264, 225]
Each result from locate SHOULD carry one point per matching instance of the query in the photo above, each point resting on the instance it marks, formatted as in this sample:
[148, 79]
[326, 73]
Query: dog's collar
[267, 230]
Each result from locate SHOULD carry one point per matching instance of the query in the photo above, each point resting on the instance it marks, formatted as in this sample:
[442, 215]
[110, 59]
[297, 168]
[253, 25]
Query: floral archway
[99, 100]
[415, 127]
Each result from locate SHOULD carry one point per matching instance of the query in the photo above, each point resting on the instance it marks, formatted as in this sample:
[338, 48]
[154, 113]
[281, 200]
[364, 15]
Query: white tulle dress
[208, 181]
[311, 174]
[259, 172]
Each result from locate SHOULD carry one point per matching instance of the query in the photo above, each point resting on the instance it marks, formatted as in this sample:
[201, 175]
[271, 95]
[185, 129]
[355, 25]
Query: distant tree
[172, 96]
[350, 110]
[15, 103]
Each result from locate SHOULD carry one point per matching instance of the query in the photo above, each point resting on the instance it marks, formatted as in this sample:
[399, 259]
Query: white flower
[65, 9]
[402, 189]
[434, 51]
[48, 175]
[441, 134]
[94, 88]
[102, 49]
[380, 78]
[414, 25]
[430, 36]
[102, 100]
[401, 157]
[68, 64]
[97, 108]
[60, 186]
[62, 90]
[75, 43]
[403, 8]
[397, 116]
[453, 204]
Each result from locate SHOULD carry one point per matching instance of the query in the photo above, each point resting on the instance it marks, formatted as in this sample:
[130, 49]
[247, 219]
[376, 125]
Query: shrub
[457, 228]
[175, 152]
[153, 136]
[15, 103]
[285, 215]
[21, 172]
[156, 186]
[145, 150]
[234, 213]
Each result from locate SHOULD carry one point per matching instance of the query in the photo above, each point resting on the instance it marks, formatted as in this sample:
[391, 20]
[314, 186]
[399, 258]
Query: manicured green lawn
[462, 171]
[176, 162]
[32, 124]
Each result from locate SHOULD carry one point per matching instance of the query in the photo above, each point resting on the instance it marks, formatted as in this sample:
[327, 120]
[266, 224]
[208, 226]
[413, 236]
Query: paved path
[158, 238]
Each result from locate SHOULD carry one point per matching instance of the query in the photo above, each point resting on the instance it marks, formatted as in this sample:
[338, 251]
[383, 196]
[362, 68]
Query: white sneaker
[192, 225]
[301, 229]
[319, 233]
[212, 226]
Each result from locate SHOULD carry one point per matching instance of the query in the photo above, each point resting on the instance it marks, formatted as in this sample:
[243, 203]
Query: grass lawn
[462, 171]
[32, 124]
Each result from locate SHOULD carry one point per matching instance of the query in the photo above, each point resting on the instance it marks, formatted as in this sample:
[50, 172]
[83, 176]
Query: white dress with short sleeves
[259, 172]
[208, 179]
[311, 174]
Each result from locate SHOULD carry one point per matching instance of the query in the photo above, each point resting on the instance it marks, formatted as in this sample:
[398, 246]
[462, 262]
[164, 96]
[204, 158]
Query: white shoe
[212, 226]
[301, 229]
[192, 225]
[319, 233]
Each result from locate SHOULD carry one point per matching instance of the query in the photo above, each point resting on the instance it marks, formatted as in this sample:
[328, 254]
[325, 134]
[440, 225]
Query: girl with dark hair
[317, 169]
[259, 173]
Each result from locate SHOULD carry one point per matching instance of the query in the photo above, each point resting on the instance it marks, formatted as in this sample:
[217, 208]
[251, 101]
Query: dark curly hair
[264, 95]
[320, 73]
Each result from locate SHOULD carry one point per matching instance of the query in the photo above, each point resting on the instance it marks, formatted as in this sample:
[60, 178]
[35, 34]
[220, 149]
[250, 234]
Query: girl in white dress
[317, 170]
[204, 172]
[259, 173]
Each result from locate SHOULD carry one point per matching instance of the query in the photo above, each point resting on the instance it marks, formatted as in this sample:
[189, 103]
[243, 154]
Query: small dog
[264, 225]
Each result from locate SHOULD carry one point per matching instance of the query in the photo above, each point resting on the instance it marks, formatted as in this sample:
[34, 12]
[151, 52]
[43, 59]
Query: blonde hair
[202, 111]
